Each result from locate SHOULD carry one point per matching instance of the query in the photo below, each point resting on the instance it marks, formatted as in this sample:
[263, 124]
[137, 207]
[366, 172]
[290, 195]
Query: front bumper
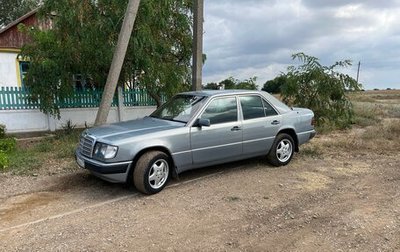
[113, 172]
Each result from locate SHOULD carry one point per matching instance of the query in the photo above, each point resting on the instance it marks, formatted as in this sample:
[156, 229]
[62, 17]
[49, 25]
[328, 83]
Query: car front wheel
[282, 150]
[151, 172]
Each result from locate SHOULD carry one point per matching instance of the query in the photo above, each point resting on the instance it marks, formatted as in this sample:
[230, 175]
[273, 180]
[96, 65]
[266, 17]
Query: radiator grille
[86, 144]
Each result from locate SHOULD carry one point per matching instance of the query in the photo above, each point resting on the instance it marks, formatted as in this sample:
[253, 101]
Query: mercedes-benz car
[194, 130]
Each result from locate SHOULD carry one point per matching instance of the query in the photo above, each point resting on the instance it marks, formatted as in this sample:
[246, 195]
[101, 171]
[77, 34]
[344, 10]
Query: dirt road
[329, 198]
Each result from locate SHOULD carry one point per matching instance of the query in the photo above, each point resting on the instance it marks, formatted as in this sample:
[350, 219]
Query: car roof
[280, 106]
[220, 92]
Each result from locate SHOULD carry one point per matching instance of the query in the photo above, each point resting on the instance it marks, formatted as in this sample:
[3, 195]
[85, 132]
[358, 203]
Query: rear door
[222, 140]
[261, 123]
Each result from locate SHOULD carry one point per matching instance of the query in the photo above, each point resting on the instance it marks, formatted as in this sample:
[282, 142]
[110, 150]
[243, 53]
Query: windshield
[180, 108]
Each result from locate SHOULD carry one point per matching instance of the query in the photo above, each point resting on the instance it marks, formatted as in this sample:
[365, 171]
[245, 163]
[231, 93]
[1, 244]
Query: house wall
[12, 37]
[19, 121]
[9, 69]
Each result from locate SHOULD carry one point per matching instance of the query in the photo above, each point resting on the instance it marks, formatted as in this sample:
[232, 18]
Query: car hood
[122, 130]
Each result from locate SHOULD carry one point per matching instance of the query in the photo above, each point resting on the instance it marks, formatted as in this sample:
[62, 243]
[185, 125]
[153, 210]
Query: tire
[282, 150]
[151, 172]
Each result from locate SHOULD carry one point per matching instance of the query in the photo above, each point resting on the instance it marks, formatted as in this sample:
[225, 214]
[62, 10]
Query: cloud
[256, 38]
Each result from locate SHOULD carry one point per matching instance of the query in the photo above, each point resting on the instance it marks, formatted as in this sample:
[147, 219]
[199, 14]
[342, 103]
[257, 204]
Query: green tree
[10, 10]
[232, 83]
[83, 38]
[249, 84]
[229, 83]
[211, 85]
[274, 86]
[320, 88]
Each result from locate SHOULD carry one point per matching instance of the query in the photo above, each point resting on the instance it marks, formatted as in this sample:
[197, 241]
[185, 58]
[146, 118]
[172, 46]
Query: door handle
[275, 122]
[236, 128]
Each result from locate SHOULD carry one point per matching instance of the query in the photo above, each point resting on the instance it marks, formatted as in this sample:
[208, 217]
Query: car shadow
[84, 182]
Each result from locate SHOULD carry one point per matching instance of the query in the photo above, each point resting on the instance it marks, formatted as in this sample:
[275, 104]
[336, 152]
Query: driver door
[222, 140]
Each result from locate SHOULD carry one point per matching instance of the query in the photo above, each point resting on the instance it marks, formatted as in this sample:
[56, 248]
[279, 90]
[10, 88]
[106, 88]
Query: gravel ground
[336, 199]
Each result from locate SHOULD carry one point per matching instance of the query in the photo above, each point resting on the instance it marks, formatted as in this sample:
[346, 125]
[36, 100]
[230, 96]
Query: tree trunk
[156, 97]
[117, 61]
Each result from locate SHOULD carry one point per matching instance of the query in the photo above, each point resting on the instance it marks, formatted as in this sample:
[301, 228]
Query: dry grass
[376, 128]
[388, 130]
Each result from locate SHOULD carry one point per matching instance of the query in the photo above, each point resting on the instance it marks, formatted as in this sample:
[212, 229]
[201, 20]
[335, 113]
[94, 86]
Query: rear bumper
[312, 134]
[113, 172]
[306, 136]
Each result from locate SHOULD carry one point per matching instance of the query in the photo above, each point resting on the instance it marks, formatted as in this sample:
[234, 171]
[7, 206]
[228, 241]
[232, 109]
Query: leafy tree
[274, 86]
[229, 83]
[211, 85]
[10, 10]
[320, 88]
[83, 38]
[249, 84]
[232, 83]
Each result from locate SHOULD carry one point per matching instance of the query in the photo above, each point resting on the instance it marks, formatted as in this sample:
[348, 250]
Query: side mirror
[203, 122]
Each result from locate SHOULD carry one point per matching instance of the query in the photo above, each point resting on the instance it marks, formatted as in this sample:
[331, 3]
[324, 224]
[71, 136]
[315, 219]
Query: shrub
[7, 145]
[3, 160]
[322, 89]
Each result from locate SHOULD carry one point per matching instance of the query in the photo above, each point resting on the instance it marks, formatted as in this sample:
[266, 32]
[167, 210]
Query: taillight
[313, 121]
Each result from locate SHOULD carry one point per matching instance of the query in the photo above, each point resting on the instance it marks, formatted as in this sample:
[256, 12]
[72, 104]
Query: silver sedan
[194, 130]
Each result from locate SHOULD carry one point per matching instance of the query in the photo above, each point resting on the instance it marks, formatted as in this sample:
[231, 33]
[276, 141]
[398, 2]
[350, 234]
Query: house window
[23, 70]
[79, 82]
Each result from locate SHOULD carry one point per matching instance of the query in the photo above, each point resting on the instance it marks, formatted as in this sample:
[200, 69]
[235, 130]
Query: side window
[269, 110]
[221, 110]
[252, 107]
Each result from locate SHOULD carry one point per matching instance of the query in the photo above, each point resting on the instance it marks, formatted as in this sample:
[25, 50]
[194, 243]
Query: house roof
[19, 20]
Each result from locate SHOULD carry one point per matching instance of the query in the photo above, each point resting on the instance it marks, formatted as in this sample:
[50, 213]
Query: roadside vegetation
[50, 154]
[376, 123]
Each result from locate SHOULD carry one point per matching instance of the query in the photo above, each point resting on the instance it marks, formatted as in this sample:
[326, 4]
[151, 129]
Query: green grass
[24, 162]
[29, 157]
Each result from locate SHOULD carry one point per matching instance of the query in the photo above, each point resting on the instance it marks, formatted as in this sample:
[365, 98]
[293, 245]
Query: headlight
[105, 151]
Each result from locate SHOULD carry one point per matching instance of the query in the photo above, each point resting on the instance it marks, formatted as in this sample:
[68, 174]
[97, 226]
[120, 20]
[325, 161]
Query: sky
[250, 38]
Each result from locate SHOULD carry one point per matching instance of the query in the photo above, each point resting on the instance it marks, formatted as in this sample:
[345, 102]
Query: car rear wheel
[151, 172]
[282, 150]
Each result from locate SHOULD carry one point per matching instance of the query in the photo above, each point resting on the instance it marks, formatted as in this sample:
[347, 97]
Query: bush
[7, 145]
[3, 160]
[322, 89]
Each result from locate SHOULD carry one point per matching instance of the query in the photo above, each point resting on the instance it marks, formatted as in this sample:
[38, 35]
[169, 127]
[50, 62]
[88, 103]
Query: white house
[12, 67]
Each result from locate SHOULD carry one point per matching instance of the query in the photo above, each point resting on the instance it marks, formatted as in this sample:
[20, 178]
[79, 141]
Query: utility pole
[358, 70]
[197, 65]
[117, 61]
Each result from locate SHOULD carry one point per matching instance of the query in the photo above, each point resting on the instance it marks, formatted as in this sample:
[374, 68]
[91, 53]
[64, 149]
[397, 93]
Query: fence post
[51, 122]
[120, 104]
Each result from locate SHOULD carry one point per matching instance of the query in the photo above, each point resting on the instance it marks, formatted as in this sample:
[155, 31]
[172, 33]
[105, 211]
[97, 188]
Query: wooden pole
[117, 61]
[197, 45]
